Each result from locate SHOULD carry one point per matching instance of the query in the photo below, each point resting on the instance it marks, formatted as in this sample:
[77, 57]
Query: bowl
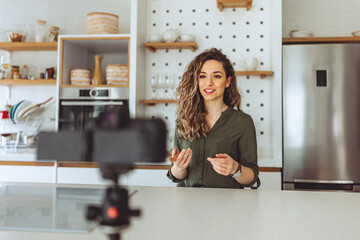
[15, 35]
[300, 33]
[356, 34]
[186, 38]
[155, 38]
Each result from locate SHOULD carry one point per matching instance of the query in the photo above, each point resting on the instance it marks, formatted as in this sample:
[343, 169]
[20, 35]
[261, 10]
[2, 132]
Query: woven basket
[102, 23]
[117, 74]
[80, 76]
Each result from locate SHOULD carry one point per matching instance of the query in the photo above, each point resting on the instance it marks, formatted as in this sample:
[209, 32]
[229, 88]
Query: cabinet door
[38, 174]
[74, 175]
[144, 177]
[270, 180]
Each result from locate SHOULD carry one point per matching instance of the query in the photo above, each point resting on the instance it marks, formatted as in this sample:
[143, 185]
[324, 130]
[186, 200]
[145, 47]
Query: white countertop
[213, 214]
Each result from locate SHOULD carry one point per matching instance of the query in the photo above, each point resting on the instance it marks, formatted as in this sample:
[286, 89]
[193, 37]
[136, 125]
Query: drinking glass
[167, 86]
[162, 85]
[5, 61]
[154, 86]
[173, 85]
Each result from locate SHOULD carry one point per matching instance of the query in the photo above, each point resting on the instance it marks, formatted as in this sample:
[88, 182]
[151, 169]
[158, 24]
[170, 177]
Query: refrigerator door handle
[323, 181]
[309, 184]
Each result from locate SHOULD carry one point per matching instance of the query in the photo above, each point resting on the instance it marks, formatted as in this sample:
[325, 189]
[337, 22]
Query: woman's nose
[209, 81]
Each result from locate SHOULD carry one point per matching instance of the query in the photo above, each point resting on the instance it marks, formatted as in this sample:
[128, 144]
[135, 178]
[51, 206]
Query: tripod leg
[114, 236]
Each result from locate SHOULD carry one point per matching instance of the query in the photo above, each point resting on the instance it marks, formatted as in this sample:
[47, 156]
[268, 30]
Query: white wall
[325, 18]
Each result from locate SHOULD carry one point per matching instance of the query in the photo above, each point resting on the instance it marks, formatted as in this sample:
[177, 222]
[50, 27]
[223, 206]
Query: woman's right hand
[181, 160]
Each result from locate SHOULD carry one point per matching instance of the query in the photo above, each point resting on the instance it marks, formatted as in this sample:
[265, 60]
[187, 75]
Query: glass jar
[53, 33]
[40, 31]
[49, 73]
[14, 70]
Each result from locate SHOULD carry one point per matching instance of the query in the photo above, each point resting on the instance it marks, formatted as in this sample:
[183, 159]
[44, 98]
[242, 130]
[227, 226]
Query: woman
[214, 144]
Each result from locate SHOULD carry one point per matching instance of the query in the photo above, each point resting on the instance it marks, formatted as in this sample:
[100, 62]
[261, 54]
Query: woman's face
[212, 81]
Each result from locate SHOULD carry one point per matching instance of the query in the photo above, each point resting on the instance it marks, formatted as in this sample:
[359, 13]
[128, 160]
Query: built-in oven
[78, 106]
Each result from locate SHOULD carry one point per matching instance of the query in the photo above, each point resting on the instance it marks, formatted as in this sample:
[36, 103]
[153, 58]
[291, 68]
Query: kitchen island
[204, 213]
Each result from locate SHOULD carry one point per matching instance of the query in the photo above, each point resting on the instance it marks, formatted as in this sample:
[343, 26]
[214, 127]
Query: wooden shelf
[28, 46]
[221, 4]
[153, 46]
[92, 86]
[152, 102]
[262, 74]
[311, 40]
[13, 82]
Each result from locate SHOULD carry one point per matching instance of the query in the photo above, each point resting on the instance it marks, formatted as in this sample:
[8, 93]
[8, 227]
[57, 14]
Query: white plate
[21, 106]
[356, 34]
[300, 33]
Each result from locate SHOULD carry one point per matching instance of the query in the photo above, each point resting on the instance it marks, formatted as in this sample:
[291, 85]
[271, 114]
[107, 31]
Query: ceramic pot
[170, 35]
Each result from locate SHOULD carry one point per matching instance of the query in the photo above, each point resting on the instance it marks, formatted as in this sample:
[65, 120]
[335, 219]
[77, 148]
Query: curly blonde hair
[190, 110]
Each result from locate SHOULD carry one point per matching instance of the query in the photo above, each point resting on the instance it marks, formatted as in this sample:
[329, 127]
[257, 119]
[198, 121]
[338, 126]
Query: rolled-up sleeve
[248, 149]
[177, 145]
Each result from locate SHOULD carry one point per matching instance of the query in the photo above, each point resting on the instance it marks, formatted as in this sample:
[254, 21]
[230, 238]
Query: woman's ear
[228, 81]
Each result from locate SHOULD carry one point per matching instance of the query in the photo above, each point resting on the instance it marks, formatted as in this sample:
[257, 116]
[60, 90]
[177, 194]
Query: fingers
[174, 155]
[222, 155]
[222, 164]
[186, 156]
[182, 160]
[221, 170]
[174, 152]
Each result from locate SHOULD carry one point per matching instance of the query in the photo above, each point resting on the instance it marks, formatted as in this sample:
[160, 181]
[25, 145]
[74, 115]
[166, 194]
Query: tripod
[114, 213]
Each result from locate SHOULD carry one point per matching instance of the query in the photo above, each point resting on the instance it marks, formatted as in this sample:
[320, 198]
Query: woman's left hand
[223, 164]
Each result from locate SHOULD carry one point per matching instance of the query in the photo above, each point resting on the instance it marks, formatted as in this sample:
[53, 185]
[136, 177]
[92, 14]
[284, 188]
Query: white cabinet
[38, 174]
[270, 180]
[149, 177]
[74, 175]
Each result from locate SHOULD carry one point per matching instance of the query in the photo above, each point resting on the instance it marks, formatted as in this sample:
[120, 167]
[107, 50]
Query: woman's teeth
[209, 90]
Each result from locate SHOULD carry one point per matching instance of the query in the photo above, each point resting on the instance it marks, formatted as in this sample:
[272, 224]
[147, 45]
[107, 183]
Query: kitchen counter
[203, 213]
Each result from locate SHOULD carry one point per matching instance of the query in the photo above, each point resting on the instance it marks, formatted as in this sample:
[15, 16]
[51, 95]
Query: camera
[116, 142]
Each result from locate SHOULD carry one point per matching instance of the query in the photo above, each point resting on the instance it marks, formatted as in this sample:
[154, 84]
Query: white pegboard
[237, 32]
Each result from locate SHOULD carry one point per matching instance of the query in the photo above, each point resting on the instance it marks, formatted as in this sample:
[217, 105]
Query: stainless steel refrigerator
[321, 116]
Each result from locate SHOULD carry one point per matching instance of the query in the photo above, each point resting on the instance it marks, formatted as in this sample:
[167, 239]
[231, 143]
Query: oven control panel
[94, 93]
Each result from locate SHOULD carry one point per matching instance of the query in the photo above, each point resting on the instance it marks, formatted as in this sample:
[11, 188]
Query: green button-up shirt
[234, 134]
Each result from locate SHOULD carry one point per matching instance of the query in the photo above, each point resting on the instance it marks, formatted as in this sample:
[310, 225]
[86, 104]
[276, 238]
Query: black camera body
[113, 140]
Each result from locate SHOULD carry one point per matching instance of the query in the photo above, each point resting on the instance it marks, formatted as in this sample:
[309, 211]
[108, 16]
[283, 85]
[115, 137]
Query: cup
[249, 64]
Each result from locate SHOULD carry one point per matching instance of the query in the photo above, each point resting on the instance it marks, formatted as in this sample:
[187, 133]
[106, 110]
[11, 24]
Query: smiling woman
[214, 144]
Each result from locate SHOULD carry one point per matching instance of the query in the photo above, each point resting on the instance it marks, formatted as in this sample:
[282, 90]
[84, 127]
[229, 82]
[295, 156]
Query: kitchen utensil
[13, 109]
[102, 23]
[300, 33]
[23, 104]
[155, 38]
[170, 35]
[25, 110]
[356, 33]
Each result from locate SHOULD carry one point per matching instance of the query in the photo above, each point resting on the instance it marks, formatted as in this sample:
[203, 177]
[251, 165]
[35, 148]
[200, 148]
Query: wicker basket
[102, 23]
[80, 76]
[117, 74]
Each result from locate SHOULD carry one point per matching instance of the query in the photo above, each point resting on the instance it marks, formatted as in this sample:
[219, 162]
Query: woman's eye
[217, 76]
[202, 76]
